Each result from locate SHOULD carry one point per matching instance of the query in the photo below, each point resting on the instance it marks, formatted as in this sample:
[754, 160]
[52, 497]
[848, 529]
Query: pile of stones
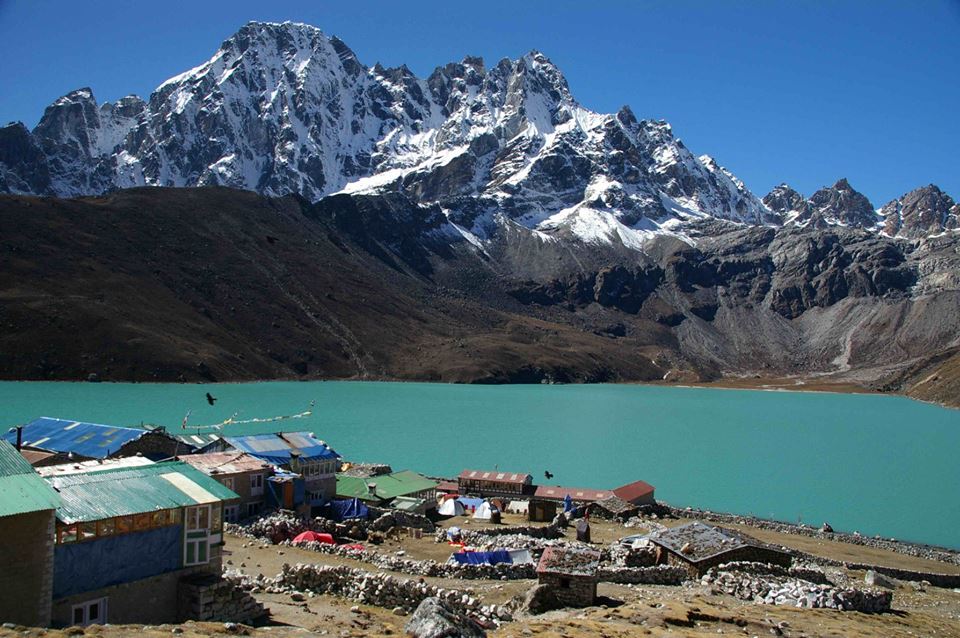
[377, 589]
[773, 589]
[281, 525]
[624, 556]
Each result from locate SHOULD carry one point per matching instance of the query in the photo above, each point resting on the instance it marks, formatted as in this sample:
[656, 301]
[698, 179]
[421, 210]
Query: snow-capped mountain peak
[284, 108]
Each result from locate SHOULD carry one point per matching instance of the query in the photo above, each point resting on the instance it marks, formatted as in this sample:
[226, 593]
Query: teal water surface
[878, 464]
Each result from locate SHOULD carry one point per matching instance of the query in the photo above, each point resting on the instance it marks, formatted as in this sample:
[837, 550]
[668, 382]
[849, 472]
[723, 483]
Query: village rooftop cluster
[96, 520]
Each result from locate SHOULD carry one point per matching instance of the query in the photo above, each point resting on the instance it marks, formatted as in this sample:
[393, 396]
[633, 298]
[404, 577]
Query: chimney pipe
[19, 437]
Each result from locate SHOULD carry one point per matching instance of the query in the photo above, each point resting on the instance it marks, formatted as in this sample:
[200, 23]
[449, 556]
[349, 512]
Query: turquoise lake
[878, 464]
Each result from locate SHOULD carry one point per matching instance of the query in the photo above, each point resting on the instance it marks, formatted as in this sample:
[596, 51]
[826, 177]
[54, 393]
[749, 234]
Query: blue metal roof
[92, 440]
[278, 448]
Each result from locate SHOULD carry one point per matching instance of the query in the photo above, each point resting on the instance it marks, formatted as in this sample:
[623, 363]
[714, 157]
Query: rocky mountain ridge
[285, 109]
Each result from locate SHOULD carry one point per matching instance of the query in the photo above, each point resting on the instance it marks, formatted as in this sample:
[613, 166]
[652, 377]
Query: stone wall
[571, 591]
[217, 599]
[426, 567]
[26, 568]
[656, 575]
[379, 590]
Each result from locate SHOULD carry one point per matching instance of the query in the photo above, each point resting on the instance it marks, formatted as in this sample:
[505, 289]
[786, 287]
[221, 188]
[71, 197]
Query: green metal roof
[99, 495]
[21, 489]
[388, 486]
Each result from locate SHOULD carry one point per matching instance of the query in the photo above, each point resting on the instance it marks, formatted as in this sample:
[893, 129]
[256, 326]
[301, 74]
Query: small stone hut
[570, 574]
[697, 547]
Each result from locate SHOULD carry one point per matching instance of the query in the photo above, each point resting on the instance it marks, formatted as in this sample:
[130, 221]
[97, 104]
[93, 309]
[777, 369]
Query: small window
[124, 524]
[216, 523]
[198, 517]
[174, 517]
[256, 484]
[90, 612]
[196, 551]
[231, 513]
[227, 482]
[565, 583]
[68, 534]
[253, 509]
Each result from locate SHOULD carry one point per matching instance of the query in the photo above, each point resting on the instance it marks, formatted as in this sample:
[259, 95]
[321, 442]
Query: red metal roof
[635, 491]
[500, 477]
[558, 493]
[448, 486]
[223, 463]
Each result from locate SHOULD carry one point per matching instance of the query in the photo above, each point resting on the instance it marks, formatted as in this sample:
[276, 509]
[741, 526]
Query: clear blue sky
[802, 92]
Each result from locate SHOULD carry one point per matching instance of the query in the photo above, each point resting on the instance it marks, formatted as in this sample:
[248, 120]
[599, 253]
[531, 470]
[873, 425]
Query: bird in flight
[548, 475]
[211, 399]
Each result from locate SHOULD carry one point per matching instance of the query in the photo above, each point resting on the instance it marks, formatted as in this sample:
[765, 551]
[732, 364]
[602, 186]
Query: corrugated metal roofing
[502, 477]
[21, 488]
[576, 493]
[99, 465]
[388, 486]
[92, 440]
[223, 463]
[99, 495]
[278, 448]
[196, 440]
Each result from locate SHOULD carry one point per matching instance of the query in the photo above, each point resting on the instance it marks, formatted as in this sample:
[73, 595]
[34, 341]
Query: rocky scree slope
[218, 284]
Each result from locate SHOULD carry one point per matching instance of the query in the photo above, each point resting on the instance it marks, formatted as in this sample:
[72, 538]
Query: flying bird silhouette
[548, 475]
[211, 399]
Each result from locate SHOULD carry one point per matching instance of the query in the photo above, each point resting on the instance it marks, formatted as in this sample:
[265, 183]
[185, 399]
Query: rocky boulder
[433, 619]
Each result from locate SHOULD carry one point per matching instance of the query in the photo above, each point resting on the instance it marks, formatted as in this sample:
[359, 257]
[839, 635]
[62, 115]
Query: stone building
[487, 484]
[697, 547]
[547, 500]
[126, 538]
[239, 472]
[27, 507]
[570, 575]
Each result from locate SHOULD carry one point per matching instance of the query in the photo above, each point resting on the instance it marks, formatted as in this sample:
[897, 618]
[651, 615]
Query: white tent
[483, 512]
[518, 507]
[450, 507]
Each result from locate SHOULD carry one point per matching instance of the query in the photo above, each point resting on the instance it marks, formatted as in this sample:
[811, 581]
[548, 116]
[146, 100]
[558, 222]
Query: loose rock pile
[282, 525]
[793, 592]
[624, 556]
[379, 590]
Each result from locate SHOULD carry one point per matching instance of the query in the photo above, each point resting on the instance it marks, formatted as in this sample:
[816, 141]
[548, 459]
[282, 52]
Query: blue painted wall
[80, 567]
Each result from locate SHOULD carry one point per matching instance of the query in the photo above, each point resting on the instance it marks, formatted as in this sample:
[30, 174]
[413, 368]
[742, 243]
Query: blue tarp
[277, 449]
[567, 503]
[113, 560]
[483, 558]
[348, 508]
[92, 440]
[470, 503]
